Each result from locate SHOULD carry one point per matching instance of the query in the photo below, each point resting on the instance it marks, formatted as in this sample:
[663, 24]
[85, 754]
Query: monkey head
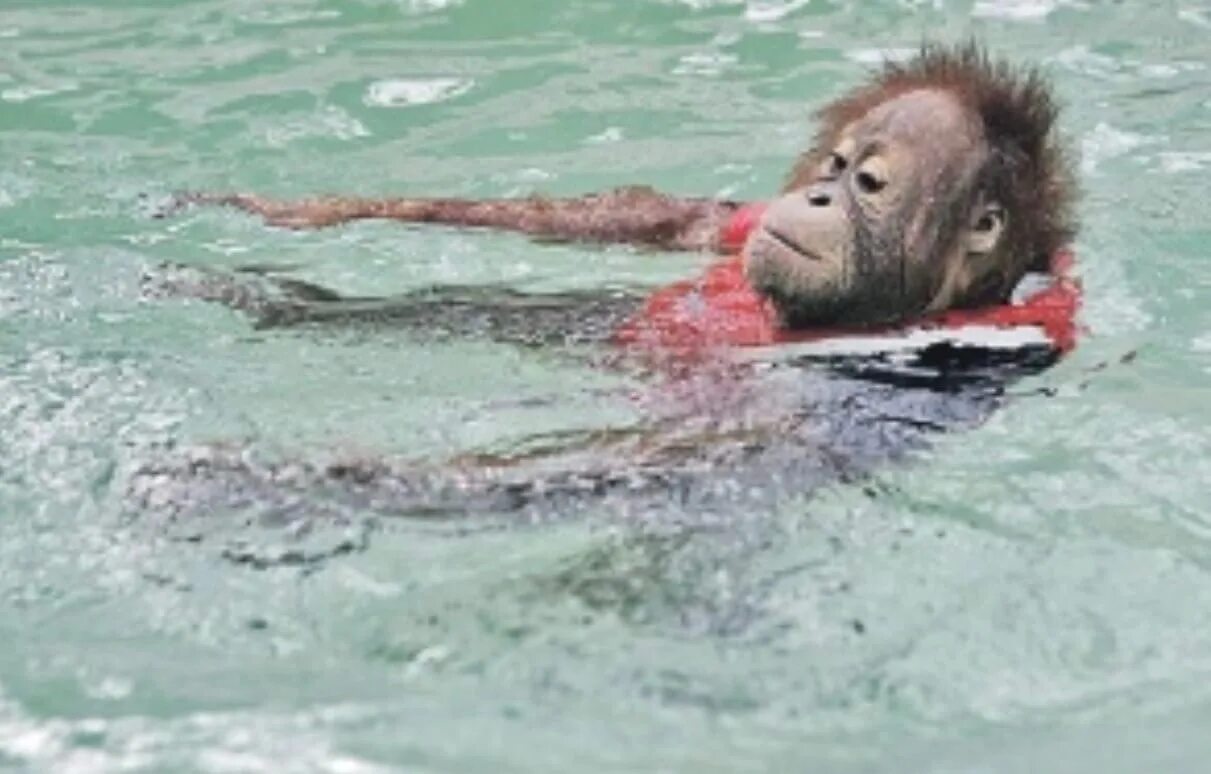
[936, 187]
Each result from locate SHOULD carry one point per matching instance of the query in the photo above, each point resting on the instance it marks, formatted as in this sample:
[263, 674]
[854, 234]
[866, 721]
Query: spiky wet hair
[1027, 170]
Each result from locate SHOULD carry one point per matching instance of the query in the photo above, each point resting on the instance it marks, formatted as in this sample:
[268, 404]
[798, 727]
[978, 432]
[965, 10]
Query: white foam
[699, 5]
[30, 91]
[704, 63]
[1105, 142]
[404, 92]
[610, 134]
[331, 122]
[428, 6]
[1015, 10]
[1177, 162]
[278, 17]
[878, 56]
[1195, 16]
[772, 10]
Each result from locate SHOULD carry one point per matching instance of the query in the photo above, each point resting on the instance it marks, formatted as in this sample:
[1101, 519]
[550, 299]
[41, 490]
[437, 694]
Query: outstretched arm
[636, 215]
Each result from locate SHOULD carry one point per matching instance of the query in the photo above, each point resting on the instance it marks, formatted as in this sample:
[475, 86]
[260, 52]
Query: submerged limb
[228, 477]
[633, 215]
[794, 432]
[490, 311]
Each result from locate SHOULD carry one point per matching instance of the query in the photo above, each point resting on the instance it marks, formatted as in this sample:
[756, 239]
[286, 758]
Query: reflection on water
[1026, 594]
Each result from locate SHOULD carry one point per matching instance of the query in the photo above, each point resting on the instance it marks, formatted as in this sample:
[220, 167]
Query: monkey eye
[868, 183]
[837, 162]
[988, 221]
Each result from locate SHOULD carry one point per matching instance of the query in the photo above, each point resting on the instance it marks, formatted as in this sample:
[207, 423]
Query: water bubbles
[406, 92]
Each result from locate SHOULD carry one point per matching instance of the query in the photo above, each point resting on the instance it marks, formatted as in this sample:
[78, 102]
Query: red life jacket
[720, 309]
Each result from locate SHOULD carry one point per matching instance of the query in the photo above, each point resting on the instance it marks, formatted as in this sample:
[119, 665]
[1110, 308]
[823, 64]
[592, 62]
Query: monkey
[937, 185]
[933, 188]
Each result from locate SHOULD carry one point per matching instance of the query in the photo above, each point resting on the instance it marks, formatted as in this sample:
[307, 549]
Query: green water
[1034, 595]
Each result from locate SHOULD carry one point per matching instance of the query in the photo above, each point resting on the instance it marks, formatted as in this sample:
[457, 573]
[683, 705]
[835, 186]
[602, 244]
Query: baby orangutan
[936, 186]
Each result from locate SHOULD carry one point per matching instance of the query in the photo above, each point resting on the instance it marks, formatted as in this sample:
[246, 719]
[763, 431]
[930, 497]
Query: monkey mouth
[792, 245]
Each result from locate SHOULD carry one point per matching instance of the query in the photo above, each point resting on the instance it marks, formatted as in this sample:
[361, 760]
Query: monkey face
[888, 225]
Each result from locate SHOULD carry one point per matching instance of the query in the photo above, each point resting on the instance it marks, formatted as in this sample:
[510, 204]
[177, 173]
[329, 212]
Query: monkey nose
[819, 197]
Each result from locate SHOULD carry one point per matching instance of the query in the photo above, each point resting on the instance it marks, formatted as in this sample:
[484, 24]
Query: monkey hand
[300, 214]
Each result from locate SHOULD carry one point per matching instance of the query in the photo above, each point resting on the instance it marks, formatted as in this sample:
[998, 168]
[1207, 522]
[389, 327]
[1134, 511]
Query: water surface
[1032, 595]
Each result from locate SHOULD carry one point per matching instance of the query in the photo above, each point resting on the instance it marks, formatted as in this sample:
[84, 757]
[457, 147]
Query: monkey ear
[985, 228]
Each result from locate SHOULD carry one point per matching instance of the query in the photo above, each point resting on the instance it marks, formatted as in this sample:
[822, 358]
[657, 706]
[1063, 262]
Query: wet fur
[1028, 169]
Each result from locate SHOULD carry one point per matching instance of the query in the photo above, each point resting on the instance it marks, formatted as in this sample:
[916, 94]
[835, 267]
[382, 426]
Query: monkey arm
[219, 475]
[634, 215]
